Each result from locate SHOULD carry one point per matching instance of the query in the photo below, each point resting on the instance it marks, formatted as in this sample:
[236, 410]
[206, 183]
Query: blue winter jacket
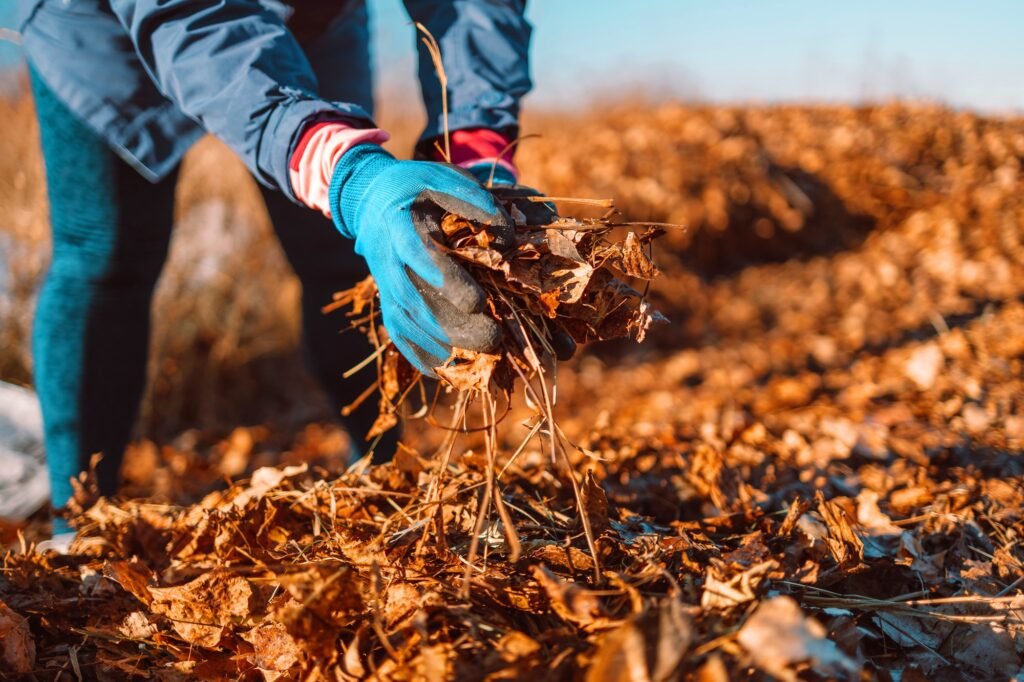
[151, 76]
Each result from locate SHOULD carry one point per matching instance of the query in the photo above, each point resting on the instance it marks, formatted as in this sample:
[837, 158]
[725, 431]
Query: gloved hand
[392, 209]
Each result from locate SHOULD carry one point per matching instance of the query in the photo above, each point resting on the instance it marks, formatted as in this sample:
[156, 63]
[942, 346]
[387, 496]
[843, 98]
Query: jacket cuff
[284, 130]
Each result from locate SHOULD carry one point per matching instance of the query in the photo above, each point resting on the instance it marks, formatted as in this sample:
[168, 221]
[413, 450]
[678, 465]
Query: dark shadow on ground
[757, 236]
[829, 227]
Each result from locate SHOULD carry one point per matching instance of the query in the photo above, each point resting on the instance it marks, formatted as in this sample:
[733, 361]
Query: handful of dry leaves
[560, 282]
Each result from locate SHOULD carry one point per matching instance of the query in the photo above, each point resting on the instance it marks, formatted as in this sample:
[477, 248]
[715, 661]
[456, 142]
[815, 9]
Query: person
[124, 87]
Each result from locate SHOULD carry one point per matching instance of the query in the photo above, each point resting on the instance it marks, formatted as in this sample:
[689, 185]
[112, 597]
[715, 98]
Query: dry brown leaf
[332, 590]
[628, 258]
[985, 649]
[778, 637]
[263, 481]
[203, 610]
[912, 553]
[842, 541]
[274, 649]
[923, 366]
[880, 533]
[436, 662]
[797, 508]
[17, 648]
[469, 370]
[871, 517]
[385, 421]
[738, 589]
[574, 604]
[352, 667]
[675, 634]
[595, 504]
[647, 647]
[452, 224]
[484, 257]
[515, 645]
[137, 626]
[569, 558]
[133, 577]
[713, 670]
[911, 632]
[401, 601]
[620, 656]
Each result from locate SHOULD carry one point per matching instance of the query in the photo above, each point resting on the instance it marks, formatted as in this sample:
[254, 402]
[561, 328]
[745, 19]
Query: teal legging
[111, 230]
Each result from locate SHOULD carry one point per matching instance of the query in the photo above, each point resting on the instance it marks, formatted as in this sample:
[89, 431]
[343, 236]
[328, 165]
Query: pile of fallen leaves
[292, 575]
[814, 474]
[762, 184]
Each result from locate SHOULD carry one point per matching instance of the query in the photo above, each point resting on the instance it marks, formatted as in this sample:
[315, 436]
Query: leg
[326, 263]
[323, 260]
[111, 230]
[340, 57]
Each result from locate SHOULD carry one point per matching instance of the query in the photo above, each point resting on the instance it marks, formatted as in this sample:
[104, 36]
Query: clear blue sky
[966, 52]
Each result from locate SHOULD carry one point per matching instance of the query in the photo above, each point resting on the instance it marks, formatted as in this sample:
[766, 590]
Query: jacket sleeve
[485, 49]
[235, 68]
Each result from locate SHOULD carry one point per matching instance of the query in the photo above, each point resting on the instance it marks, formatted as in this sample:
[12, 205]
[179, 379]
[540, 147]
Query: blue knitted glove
[393, 209]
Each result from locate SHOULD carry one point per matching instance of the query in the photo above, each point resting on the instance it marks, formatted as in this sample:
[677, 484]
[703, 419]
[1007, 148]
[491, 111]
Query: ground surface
[813, 472]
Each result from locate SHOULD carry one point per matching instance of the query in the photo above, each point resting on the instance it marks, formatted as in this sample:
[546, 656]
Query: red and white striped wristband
[318, 152]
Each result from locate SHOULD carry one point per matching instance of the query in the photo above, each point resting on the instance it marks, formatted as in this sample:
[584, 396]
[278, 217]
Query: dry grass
[23, 234]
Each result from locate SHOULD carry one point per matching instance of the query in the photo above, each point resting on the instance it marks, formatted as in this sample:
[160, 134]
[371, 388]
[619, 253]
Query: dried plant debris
[815, 473]
[551, 282]
[559, 283]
